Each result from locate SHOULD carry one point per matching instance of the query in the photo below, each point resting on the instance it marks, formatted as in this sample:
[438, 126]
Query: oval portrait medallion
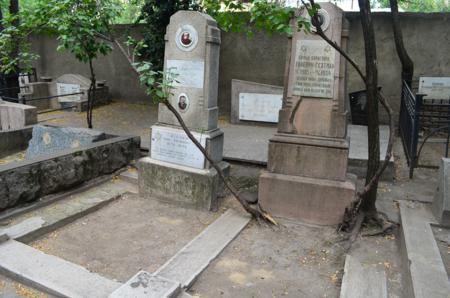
[183, 102]
[186, 38]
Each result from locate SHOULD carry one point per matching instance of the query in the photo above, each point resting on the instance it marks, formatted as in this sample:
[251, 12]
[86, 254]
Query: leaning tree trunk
[407, 63]
[91, 96]
[373, 163]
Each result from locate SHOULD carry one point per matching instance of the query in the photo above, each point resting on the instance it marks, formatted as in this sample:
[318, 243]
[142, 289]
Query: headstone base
[441, 202]
[180, 185]
[311, 200]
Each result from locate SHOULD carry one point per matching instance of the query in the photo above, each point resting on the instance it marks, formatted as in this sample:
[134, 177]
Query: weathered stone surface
[13, 141]
[16, 116]
[441, 202]
[178, 184]
[147, 285]
[48, 140]
[197, 66]
[311, 200]
[52, 274]
[28, 180]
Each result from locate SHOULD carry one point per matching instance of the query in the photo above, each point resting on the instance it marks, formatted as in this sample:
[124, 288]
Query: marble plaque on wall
[62, 88]
[435, 87]
[190, 73]
[314, 69]
[172, 145]
[260, 107]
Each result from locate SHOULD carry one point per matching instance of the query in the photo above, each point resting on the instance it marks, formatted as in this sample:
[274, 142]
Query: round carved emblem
[186, 38]
[324, 18]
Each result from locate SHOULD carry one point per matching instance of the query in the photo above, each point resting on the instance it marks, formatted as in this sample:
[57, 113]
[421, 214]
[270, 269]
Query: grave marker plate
[314, 69]
[435, 87]
[63, 88]
[190, 73]
[259, 106]
[173, 145]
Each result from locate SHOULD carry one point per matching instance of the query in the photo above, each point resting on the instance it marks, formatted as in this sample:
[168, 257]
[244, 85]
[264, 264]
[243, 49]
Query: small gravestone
[435, 87]
[255, 102]
[16, 116]
[176, 170]
[441, 202]
[307, 163]
[48, 140]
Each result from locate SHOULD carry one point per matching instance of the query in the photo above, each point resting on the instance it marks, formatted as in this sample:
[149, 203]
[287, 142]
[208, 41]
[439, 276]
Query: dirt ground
[128, 235]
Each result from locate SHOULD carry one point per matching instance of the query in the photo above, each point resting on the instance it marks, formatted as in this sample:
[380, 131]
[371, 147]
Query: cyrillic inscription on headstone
[190, 74]
[172, 145]
[314, 69]
[62, 88]
[259, 107]
[435, 87]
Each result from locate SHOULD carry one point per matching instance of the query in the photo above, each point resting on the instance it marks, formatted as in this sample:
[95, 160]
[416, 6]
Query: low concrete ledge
[27, 180]
[425, 275]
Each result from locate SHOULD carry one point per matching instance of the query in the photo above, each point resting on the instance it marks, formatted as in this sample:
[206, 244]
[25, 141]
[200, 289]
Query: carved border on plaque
[186, 38]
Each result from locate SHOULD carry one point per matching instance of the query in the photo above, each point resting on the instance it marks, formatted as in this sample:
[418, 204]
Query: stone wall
[28, 180]
[262, 58]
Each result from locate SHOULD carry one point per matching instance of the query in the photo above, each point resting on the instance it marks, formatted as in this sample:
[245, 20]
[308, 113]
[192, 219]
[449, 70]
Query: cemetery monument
[176, 171]
[307, 163]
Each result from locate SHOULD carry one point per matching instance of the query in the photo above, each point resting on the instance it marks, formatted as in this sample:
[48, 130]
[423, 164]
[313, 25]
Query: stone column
[307, 165]
[176, 170]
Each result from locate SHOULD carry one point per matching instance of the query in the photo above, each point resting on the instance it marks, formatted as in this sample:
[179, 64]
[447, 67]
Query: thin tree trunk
[91, 96]
[407, 63]
[373, 163]
[256, 213]
[1, 20]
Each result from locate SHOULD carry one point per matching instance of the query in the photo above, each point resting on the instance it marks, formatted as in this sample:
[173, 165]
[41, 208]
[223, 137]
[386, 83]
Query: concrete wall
[262, 58]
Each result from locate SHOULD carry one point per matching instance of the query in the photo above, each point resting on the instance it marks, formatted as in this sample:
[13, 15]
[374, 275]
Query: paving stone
[27, 226]
[426, 275]
[192, 259]
[362, 281]
[147, 285]
[51, 274]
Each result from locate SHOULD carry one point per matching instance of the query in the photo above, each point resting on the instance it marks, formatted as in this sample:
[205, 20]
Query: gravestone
[254, 102]
[441, 202]
[48, 140]
[16, 116]
[307, 163]
[435, 87]
[176, 170]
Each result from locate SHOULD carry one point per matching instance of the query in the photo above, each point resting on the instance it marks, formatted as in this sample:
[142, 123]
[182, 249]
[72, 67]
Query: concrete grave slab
[441, 201]
[425, 274]
[362, 281]
[195, 257]
[147, 285]
[51, 274]
[268, 110]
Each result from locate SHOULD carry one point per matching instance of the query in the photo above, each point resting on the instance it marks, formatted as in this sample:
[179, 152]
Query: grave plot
[57, 159]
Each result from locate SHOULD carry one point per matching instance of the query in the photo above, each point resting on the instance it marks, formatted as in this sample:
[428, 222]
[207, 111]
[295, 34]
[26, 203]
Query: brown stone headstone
[307, 165]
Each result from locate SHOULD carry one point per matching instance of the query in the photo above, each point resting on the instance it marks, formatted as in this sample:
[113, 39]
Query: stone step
[30, 225]
[51, 274]
[192, 259]
[147, 285]
[362, 281]
[130, 175]
[425, 271]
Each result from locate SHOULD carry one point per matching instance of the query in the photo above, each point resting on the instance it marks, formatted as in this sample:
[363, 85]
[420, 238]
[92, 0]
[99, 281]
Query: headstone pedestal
[306, 176]
[176, 170]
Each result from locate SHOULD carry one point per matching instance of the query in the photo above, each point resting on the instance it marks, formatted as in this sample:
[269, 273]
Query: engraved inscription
[314, 69]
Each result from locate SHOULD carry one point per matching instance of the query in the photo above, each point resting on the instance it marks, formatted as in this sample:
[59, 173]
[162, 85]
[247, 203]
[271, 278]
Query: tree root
[380, 220]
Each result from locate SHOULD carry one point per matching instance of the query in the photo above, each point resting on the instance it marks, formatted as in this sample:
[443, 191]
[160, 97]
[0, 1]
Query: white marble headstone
[173, 145]
[260, 107]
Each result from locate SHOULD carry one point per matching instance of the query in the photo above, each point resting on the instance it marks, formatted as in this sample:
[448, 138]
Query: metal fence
[421, 117]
